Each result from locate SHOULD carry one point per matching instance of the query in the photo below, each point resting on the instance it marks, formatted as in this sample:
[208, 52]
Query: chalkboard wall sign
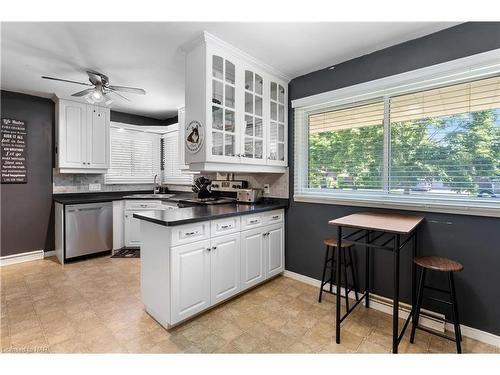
[13, 152]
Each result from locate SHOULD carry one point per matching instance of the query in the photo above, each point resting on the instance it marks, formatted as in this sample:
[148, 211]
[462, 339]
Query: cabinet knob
[214, 247]
[209, 249]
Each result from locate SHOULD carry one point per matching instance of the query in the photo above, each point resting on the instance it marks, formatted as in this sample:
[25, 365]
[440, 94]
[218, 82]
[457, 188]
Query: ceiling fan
[100, 89]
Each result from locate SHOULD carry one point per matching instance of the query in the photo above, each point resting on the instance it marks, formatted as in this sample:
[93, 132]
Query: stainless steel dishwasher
[88, 228]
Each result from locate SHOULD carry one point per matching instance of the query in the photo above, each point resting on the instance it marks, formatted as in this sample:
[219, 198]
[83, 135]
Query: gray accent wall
[27, 216]
[472, 240]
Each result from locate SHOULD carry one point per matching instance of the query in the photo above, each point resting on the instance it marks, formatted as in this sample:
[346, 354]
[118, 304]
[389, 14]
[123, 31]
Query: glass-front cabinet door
[253, 134]
[277, 124]
[223, 108]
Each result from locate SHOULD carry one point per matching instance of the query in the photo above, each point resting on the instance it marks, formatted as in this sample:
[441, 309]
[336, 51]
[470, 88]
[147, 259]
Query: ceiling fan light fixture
[97, 95]
[99, 89]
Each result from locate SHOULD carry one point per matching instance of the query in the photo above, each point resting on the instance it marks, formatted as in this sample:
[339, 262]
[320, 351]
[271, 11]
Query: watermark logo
[26, 349]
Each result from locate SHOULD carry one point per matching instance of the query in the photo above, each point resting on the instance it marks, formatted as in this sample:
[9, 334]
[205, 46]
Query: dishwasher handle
[86, 209]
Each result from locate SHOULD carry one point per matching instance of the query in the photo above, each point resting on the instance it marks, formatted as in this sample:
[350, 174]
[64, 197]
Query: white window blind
[172, 174]
[446, 141]
[134, 156]
[346, 148]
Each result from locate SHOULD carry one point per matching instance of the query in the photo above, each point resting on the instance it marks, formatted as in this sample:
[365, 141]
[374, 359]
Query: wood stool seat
[333, 242]
[438, 264]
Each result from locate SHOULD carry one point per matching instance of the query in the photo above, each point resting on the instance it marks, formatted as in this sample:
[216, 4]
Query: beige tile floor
[94, 306]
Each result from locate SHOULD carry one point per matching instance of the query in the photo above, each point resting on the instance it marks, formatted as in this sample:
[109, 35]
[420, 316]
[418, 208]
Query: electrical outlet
[266, 188]
[94, 187]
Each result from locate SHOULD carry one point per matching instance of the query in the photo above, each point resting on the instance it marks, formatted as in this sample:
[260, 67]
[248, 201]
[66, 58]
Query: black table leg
[367, 272]
[337, 320]
[395, 308]
[414, 277]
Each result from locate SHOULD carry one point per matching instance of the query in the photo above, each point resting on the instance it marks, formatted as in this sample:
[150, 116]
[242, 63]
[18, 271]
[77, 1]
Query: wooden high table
[378, 231]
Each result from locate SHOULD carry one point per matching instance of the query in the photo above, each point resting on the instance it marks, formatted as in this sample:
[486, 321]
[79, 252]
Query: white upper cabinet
[72, 134]
[223, 133]
[253, 135]
[277, 150]
[82, 137]
[228, 108]
[97, 137]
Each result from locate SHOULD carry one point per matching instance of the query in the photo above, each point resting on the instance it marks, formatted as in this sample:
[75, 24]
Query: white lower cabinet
[253, 268]
[273, 247]
[225, 267]
[131, 225]
[132, 230]
[190, 279]
[204, 267]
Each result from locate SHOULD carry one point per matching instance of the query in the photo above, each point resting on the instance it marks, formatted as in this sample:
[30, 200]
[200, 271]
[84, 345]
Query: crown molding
[207, 38]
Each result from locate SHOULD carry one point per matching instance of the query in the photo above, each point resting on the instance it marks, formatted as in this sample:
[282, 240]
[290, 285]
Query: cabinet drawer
[141, 205]
[225, 226]
[274, 216]
[252, 221]
[190, 233]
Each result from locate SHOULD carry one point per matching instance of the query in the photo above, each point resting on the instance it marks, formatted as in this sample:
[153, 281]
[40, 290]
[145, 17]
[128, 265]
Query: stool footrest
[439, 300]
[432, 332]
[437, 289]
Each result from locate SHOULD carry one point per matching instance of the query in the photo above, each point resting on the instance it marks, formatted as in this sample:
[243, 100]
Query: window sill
[449, 206]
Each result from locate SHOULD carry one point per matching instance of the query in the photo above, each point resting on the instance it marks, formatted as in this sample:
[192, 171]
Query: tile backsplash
[80, 183]
[278, 182]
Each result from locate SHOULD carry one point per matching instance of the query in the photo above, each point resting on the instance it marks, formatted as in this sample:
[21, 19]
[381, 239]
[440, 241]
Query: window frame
[156, 130]
[470, 68]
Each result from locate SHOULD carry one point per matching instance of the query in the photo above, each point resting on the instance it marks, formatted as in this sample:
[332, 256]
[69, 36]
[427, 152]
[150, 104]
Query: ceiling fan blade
[95, 78]
[132, 90]
[67, 80]
[83, 93]
[120, 95]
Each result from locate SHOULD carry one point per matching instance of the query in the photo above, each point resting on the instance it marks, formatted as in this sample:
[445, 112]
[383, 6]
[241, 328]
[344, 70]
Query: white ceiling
[148, 55]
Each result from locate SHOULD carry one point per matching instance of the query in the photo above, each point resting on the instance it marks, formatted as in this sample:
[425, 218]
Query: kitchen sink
[150, 196]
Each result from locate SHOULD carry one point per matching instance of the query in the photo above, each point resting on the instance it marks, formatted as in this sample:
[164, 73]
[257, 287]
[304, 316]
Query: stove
[207, 201]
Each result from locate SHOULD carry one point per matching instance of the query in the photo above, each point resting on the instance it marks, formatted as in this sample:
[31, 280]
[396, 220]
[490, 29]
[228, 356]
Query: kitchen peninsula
[193, 258]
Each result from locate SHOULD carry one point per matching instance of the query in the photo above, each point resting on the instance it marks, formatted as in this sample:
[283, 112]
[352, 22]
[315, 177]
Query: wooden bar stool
[330, 261]
[441, 265]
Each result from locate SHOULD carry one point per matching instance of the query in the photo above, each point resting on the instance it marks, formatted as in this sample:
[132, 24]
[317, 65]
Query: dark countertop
[78, 198]
[210, 212]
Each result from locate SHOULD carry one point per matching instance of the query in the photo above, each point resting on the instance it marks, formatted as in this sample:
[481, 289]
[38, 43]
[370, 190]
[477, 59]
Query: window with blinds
[441, 142]
[346, 148]
[134, 156]
[172, 174]
[446, 140]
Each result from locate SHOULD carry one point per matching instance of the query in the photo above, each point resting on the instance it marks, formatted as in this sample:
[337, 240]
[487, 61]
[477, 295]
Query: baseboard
[21, 258]
[476, 334]
[51, 253]
[431, 319]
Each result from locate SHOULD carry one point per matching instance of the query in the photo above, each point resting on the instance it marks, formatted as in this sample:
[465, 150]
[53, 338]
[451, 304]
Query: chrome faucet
[156, 187]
